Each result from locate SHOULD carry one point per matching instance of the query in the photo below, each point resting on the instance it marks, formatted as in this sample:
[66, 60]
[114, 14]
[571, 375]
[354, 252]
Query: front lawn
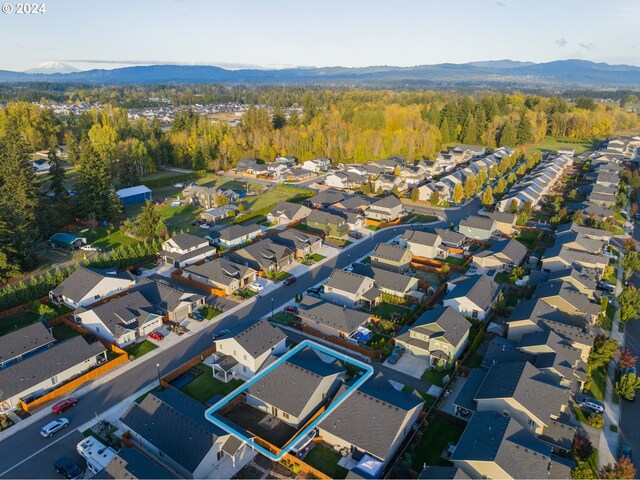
[17, 321]
[435, 438]
[280, 276]
[205, 386]
[326, 460]
[598, 383]
[285, 318]
[502, 277]
[418, 218]
[140, 349]
[209, 312]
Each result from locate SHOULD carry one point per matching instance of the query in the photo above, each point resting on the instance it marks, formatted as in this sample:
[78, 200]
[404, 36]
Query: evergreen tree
[508, 137]
[524, 132]
[150, 225]
[470, 130]
[279, 119]
[513, 206]
[58, 175]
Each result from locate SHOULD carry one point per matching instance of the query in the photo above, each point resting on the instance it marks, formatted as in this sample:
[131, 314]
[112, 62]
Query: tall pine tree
[58, 175]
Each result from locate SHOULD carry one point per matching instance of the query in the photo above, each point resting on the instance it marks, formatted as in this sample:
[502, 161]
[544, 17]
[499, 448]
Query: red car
[156, 335]
[62, 405]
[289, 280]
[291, 309]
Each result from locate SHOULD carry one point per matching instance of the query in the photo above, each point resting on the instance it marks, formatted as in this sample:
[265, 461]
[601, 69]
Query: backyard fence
[21, 308]
[172, 375]
[342, 342]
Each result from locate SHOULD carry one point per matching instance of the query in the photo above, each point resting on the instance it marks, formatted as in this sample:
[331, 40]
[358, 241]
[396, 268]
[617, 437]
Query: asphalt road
[27, 446]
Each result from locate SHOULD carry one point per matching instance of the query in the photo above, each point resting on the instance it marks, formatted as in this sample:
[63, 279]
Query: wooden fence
[172, 375]
[177, 275]
[367, 352]
[21, 308]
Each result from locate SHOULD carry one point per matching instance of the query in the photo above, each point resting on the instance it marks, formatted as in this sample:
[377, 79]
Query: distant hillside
[562, 73]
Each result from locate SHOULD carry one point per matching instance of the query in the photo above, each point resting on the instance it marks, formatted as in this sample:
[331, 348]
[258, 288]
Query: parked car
[256, 287]
[397, 352]
[291, 309]
[156, 336]
[625, 451]
[196, 316]
[314, 290]
[89, 248]
[53, 427]
[67, 468]
[62, 405]
[179, 185]
[490, 273]
[219, 333]
[472, 269]
[137, 272]
[354, 234]
[610, 255]
[590, 403]
[289, 280]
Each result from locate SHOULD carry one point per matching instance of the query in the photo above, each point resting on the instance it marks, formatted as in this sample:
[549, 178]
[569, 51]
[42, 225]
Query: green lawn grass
[385, 310]
[206, 386]
[502, 277]
[434, 377]
[140, 349]
[455, 261]
[474, 361]
[434, 440]
[17, 321]
[280, 276]
[326, 460]
[64, 331]
[106, 238]
[552, 144]
[285, 318]
[528, 238]
[598, 383]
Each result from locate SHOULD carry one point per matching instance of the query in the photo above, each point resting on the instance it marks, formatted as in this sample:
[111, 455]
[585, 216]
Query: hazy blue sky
[276, 33]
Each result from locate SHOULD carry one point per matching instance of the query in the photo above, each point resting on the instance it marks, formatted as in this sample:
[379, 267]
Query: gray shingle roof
[327, 197]
[568, 293]
[346, 281]
[382, 407]
[384, 278]
[445, 323]
[292, 384]
[334, 316]
[386, 251]
[388, 202]
[525, 384]
[475, 221]
[52, 361]
[191, 435]
[81, 282]
[503, 217]
[584, 277]
[289, 210]
[24, 340]
[420, 237]
[324, 217]
[265, 252]
[258, 337]
[511, 251]
[123, 313]
[221, 271]
[131, 463]
[450, 237]
[295, 239]
[491, 437]
[480, 289]
[431, 472]
[466, 398]
[160, 293]
[187, 241]
[234, 232]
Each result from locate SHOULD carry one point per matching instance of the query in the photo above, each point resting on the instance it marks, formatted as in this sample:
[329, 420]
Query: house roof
[385, 279]
[192, 435]
[431, 472]
[421, 238]
[326, 197]
[481, 223]
[289, 209]
[558, 434]
[324, 217]
[479, 289]
[582, 276]
[233, 232]
[356, 202]
[131, 191]
[389, 201]
[334, 316]
[221, 271]
[161, 294]
[393, 253]
[450, 237]
[131, 463]
[259, 337]
[553, 351]
[568, 293]
[31, 371]
[443, 323]
[186, 241]
[491, 437]
[385, 410]
[501, 350]
[291, 385]
[24, 340]
[466, 397]
[346, 281]
[506, 251]
[265, 252]
[527, 385]
[503, 217]
[77, 285]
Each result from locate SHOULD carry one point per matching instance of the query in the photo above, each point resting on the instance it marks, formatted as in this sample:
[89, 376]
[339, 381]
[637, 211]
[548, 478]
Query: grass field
[433, 442]
[205, 386]
[106, 238]
[326, 460]
[552, 144]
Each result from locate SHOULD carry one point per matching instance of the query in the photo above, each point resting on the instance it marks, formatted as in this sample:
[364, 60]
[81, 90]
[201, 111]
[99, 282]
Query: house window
[532, 424]
[285, 415]
[474, 314]
[219, 455]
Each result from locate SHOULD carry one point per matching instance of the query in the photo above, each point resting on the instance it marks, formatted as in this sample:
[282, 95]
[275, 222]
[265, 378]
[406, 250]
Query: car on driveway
[291, 309]
[137, 272]
[62, 405]
[490, 273]
[289, 280]
[354, 234]
[156, 336]
[53, 427]
[196, 316]
[590, 403]
[256, 287]
[397, 352]
[67, 468]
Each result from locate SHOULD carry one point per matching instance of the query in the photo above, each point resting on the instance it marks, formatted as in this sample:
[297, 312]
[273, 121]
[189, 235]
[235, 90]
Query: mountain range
[561, 73]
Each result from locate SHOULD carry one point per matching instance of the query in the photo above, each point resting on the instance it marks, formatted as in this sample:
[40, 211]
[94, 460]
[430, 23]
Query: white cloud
[587, 46]
[561, 42]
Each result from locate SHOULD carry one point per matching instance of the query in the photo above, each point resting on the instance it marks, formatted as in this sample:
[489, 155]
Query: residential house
[463, 152]
[245, 350]
[24, 343]
[248, 165]
[591, 233]
[597, 211]
[404, 287]
[286, 160]
[582, 279]
[286, 212]
[302, 243]
[331, 224]
[232, 196]
[608, 180]
[205, 197]
[387, 182]
[222, 275]
[131, 463]
[505, 222]
[120, 321]
[498, 447]
[315, 380]
[450, 239]
[438, 336]
[344, 180]
[425, 191]
[218, 213]
[324, 199]
[355, 203]
[390, 415]
[432, 472]
[185, 249]
[351, 290]
[385, 210]
[330, 319]
[317, 165]
[237, 235]
[173, 302]
[48, 369]
[89, 285]
[560, 257]
[566, 298]
[263, 256]
[502, 255]
[298, 174]
[423, 244]
[477, 228]
[194, 446]
[391, 257]
[472, 296]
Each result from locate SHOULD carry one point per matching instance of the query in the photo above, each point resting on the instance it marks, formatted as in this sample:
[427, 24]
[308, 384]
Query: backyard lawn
[386, 310]
[140, 349]
[552, 144]
[434, 440]
[106, 238]
[455, 261]
[17, 321]
[326, 460]
[205, 386]
[528, 238]
[64, 331]
[434, 377]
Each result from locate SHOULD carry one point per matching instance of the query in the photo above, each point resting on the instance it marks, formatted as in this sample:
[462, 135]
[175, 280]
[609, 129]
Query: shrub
[596, 420]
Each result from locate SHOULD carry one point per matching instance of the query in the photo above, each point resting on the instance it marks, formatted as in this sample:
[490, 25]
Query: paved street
[630, 422]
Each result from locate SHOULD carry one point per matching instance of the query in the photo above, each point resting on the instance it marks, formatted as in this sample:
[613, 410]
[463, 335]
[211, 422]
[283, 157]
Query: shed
[67, 240]
[134, 195]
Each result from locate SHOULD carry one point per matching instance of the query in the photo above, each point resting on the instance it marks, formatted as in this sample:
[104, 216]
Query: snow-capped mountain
[53, 67]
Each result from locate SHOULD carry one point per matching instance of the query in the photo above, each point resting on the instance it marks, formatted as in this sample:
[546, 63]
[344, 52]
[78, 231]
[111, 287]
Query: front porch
[224, 367]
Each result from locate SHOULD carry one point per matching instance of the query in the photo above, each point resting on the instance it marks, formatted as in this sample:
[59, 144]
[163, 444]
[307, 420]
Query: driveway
[409, 365]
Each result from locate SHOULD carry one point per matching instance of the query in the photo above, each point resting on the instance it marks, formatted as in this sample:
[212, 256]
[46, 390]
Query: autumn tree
[415, 195]
[629, 301]
[629, 244]
[631, 263]
[623, 469]
[470, 186]
[626, 359]
[487, 197]
[458, 193]
[434, 199]
[581, 446]
[603, 350]
[627, 385]
[501, 186]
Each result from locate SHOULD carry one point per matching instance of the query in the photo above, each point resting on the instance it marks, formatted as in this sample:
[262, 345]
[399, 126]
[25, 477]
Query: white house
[185, 249]
[472, 296]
